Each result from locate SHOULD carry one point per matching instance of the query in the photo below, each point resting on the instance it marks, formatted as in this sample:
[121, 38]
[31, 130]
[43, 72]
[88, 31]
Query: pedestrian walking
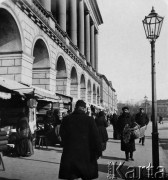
[102, 125]
[113, 121]
[160, 119]
[81, 145]
[142, 119]
[125, 126]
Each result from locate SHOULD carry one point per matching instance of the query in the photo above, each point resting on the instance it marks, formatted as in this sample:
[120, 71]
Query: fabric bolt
[3, 147]
[2, 142]
[3, 138]
[3, 133]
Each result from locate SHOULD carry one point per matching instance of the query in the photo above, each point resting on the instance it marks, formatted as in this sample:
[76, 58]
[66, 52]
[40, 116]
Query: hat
[125, 107]
[141, 108]
[80, 103]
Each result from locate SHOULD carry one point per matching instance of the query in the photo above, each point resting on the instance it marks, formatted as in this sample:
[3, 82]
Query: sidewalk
[44, 164]
[142, 155]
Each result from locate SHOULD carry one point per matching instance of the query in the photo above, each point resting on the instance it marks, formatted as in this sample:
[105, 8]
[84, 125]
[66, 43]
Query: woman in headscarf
[102, 125]
[23, 144]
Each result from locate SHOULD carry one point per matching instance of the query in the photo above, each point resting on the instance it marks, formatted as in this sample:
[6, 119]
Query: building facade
[162, 107]
[108, 96]
[53, 45]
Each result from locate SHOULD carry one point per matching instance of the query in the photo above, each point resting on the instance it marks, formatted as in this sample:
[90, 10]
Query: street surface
[44, 164]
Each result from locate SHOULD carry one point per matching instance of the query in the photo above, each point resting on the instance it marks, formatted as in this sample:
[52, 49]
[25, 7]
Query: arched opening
[94, 94]
[10, 39]
[98, 96]
[82, 88]
[74, 84]
[61, 76]
[41, 56]
[89, 91]
[41, 74]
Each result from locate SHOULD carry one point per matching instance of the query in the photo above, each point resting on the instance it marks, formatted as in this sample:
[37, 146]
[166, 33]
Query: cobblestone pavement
[44, 164]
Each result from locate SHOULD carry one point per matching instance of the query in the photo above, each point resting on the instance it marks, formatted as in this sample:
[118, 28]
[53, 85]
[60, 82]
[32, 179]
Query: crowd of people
[83, 137]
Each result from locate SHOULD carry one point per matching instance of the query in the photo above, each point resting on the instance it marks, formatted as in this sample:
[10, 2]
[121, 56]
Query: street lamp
[152, 26]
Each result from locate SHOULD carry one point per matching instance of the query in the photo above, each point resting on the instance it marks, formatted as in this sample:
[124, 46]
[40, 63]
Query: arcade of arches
[38, 71]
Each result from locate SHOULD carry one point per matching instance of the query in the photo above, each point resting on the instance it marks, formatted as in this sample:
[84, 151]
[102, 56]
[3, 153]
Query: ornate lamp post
[152, 26]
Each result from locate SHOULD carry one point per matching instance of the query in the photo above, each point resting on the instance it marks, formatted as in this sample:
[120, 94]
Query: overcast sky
[124, 51]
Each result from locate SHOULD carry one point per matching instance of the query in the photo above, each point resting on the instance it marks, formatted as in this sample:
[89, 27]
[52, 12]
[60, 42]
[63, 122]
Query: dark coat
[81, 147]
[124, 119]
[142, 119]
[23, 144]
[102, 125]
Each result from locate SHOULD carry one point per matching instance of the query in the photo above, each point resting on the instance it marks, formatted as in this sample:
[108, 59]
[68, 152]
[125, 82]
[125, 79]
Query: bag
[136, 132]
[142, 131]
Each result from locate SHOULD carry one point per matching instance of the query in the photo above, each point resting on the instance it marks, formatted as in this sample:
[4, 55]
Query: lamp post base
[155, 151]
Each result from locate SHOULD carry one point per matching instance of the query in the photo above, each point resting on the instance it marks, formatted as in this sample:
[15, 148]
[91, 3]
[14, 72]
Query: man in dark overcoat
[142, 119]
[125, 125]
[81, 145]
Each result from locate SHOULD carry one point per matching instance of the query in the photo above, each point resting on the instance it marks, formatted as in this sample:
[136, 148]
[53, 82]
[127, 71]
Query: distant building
[108, 97]
[162, 107]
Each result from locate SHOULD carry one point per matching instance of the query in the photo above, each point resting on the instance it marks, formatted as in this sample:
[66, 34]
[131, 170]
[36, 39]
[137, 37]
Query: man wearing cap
[125, 125]
[81, 145]
[142, 119]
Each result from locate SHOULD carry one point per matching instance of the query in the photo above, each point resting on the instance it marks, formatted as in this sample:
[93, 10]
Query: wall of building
[41, 47]
[34, 54]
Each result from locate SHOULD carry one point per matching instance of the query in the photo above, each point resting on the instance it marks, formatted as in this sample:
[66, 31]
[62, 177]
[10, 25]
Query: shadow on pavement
[38, 160]
[162, 128]
[114, 141]
[2, 178]
[112, 158]
[50, 149]
[164, 143]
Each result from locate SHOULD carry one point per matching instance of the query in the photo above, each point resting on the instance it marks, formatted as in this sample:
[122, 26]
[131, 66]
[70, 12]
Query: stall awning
[49, 100]
[9, 86]
[45, 94]
[97, 106]
[64, 98]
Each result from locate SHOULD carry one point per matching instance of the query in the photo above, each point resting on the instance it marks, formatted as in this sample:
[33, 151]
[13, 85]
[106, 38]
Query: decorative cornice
[57, 37]
[96, 11]
[88, 63]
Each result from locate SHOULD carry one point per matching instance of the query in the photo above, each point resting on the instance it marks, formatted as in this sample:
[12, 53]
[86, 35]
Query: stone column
[81, 26]
[87, 29]
[46, 4]
[96, 51]
[73, 21]
[92, 45]
[62, 14]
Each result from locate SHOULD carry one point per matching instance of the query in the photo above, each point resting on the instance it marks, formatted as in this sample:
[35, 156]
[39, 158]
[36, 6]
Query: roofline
[96, 11]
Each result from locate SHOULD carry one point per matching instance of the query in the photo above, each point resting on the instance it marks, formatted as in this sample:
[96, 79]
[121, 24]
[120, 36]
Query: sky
[125, 53]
